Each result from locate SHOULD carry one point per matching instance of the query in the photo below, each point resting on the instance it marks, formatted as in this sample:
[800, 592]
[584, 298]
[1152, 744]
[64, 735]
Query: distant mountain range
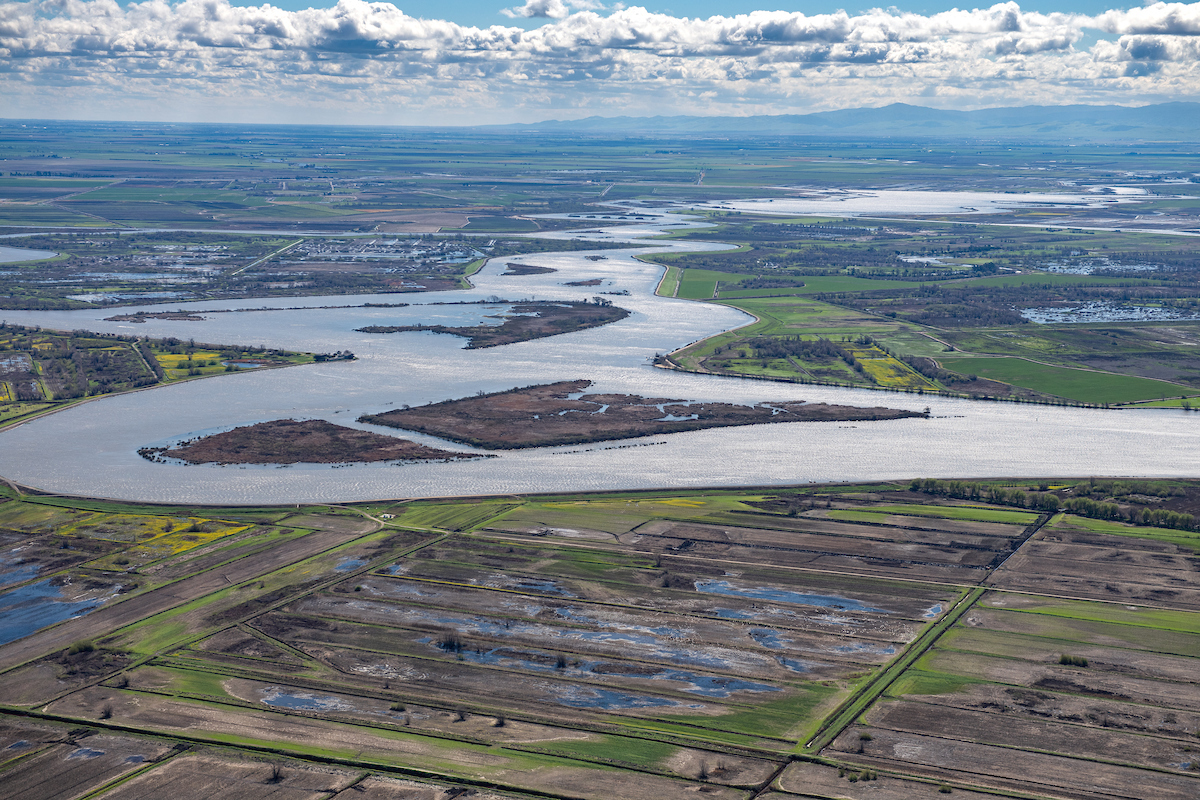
[1177, 122]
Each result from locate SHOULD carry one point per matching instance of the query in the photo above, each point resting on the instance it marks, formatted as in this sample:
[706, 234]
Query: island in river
[525, 321]
[558, 413]
[290, 441]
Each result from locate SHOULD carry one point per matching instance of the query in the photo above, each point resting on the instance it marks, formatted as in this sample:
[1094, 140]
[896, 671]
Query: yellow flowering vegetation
[178, 365]
[887, 371]
[152, 537]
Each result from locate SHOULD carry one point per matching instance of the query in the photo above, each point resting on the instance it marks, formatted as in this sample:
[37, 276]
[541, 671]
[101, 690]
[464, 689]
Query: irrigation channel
[91, 449]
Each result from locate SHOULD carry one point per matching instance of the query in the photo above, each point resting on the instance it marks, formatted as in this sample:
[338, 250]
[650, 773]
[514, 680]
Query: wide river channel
[91, 449]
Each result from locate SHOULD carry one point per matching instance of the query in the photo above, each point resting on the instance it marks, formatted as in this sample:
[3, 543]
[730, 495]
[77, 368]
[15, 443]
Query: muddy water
[92, 449]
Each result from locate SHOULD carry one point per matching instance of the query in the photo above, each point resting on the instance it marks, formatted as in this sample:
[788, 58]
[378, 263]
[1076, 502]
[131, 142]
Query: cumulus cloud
[363, 57]
[551, 9]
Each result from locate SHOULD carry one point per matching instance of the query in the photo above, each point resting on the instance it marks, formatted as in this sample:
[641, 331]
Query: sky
[479, 62]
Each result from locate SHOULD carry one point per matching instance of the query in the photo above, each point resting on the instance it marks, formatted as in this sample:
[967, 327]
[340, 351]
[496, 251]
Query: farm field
[1091, 305]
[44, 370]
[836, 641]
[1012, 638]
[979, 310]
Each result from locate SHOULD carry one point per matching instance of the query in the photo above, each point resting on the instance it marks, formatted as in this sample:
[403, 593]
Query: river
[91, 449]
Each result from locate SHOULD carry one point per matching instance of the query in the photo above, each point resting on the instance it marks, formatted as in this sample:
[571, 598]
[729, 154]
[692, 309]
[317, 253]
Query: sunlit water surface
[91, 449]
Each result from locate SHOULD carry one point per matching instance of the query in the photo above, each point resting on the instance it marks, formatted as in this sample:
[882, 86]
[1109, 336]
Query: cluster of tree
[1163, 518]
[964, 315]
[148, 355]
[26, 390]
[80, 372]
[773, 282]
[340, 355]
[1106, 488]
[817, 350]
[1050, 502]
[996, 495]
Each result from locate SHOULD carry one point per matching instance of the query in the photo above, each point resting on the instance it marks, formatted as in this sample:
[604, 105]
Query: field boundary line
[267, 257]
[859, 701]
[242, 621]
[120, 780]
[363, 764]
[683, 556]
[1030, 531]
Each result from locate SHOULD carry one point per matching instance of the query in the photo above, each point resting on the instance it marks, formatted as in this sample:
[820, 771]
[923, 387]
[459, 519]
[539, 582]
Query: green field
[1074, 384]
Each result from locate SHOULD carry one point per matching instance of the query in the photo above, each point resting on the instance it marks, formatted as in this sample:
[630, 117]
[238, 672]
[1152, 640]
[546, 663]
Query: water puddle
[16, 571]
[531, 585]
[662, 630]
[729, 613]
[648, 642]
[588, 697]
[293, 700]
[713, 686]
[349, 564]
[85, 752]
[862, 647]
[397, 588]
[932, 611]
[38, 605]
[768, 638]
[785, 596]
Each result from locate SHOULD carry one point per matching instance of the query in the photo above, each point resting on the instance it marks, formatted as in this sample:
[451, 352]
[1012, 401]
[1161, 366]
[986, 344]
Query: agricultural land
[885, 640]
[983, 310]
[1034, 639]
[43, 370]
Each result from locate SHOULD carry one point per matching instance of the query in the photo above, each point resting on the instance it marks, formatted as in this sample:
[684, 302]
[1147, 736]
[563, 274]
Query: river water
[91, 449]
[12, 255]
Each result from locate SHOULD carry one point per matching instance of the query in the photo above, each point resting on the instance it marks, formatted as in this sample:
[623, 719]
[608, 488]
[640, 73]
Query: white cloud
[552, 9]
[72, 57]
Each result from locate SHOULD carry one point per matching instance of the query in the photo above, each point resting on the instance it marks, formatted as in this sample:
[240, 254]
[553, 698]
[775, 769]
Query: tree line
[1049, 502]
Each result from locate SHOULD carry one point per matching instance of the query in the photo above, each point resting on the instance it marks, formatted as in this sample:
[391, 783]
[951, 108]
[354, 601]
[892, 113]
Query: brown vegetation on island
[543, 319]
[289, 441]
[142, 316]
[513, 268]
[547, 415]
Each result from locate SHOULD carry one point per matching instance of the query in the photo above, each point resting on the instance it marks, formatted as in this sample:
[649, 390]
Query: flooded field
[850, 203]
[1105, 312]
[701, 640]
